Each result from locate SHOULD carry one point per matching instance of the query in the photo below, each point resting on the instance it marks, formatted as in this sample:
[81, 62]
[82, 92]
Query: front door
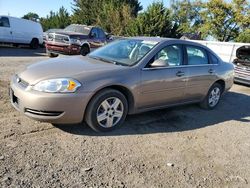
[162, 86]
[5, 30]
[94, 39]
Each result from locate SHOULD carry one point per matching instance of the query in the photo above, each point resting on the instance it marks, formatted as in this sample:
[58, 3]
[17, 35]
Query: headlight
[61, 85]
[75, 41]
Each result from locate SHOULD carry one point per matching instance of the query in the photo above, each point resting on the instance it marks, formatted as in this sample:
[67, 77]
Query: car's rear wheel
[213, 97]
[107, 110]
[84, 50]
[34, 44]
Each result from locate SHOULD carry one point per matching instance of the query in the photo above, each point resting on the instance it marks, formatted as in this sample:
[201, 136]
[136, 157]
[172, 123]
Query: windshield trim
[107, 60]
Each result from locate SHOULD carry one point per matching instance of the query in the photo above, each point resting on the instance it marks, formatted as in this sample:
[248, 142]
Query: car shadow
[234, 106]
[22, 51]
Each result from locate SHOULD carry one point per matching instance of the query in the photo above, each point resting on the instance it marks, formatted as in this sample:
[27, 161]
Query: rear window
[101, 33]
[214, 59]
[196, 56]
[78, 29]
[4, 22]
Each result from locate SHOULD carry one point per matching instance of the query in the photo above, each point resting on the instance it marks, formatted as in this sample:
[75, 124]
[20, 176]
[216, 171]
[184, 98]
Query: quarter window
[4, 22]
[196, 56]
[172, 55]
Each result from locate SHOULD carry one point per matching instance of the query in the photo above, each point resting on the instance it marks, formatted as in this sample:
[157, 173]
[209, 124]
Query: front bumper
[242, 80]
[61, 108]
[242, 75]
[63, 49]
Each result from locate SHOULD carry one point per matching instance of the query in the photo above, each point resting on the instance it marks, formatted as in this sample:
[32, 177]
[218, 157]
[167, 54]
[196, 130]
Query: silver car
[127, 76]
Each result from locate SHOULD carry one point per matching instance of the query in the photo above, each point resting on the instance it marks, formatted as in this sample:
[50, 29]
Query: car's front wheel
[84, 50]
[213, 97]
[52, 54]
[107, 110]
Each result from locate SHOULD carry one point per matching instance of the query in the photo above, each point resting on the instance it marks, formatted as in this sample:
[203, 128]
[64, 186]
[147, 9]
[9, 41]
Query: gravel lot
[177, 147]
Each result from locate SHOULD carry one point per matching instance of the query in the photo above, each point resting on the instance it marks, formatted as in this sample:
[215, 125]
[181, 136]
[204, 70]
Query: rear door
[202, 72]
[5, 30]
[164, 85]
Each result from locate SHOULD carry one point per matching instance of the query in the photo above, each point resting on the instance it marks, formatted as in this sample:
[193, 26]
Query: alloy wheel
[214, 97]
[109, 112]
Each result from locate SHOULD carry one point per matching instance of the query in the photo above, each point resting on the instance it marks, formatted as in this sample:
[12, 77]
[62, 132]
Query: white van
[20, 31]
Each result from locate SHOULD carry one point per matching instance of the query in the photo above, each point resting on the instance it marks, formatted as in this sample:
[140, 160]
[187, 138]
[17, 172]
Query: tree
[186, 15]
[31, 16]
[224, 21]
[88, 11]
[59, 19]
[155, 21]
[62, 18]
[114, 18]
[244, 36]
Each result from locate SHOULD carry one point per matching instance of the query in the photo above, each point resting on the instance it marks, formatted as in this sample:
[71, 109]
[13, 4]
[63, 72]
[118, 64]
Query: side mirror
[92, 35]
[159, 63]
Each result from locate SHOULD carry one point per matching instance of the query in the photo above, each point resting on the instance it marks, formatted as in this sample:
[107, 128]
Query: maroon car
[75, 39]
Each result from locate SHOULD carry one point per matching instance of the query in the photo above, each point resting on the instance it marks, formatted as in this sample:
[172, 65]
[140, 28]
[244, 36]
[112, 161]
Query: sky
[18, 8]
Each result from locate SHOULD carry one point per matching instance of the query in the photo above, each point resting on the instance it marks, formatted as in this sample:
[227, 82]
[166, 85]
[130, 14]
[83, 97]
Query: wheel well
[34, 39]
[222, 83]
[85, 44]
[125, 91]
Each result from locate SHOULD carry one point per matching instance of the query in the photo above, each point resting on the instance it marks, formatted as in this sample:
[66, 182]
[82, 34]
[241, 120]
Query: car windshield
[124, 51]
[78, 28]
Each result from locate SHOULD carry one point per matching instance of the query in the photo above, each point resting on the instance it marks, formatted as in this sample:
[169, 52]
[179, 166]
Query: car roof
[162, 39]
[89, 26]
[179, 41]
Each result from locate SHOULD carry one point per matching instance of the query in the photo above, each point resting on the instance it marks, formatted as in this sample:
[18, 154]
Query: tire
[84, 50]
[213, 97]
[34, 44]
[52, 54]
[110, 106]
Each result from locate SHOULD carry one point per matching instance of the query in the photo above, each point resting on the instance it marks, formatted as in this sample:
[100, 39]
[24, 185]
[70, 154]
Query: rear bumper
[64, 108]
[63, 49]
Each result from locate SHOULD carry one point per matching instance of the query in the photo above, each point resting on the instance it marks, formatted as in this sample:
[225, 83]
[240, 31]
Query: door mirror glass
[92, 35]
[159, 63]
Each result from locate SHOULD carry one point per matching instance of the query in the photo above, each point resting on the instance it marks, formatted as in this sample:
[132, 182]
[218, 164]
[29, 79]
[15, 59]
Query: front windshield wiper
[107, 60]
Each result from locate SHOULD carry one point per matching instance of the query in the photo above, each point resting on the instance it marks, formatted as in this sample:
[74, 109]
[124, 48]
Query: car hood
[72, 34]
[65, 68]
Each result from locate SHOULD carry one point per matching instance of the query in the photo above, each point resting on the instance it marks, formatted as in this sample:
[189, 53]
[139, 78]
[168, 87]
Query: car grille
[242, 71]
[58, 38]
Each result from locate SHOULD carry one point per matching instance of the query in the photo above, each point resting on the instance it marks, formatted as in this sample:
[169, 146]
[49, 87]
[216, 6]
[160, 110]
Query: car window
[214, 59]
[124, 51]
[172, 55]
[78, 28]
[94, 33]
[101, 33]
[196, 56]
[4, 22]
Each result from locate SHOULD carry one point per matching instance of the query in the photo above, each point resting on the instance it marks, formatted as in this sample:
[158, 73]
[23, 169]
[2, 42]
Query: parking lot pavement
[177, 147]
[23, 51]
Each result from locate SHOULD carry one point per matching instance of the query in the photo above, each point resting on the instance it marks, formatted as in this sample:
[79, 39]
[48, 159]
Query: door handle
[211, 71]
[180, 73]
